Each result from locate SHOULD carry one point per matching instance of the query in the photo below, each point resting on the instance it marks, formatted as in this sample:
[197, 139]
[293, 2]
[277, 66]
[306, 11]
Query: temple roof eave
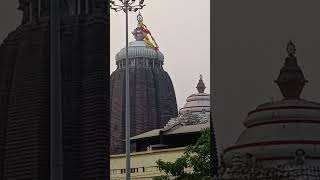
[140, 52]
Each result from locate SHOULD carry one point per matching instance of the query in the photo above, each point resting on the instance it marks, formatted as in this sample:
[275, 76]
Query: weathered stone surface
[25, 98]
[152, 102]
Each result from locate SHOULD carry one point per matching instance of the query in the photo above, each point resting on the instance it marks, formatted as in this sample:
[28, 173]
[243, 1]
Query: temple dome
[142, 47]
[138, 49]
[276, 131]
[198, 102]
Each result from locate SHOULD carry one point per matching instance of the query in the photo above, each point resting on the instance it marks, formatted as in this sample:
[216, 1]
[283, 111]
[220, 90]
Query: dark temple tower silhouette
[214, 161]
[152, 96]
[25, 92]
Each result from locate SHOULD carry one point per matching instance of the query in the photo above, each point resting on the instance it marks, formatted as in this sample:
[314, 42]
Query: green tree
[195, 156]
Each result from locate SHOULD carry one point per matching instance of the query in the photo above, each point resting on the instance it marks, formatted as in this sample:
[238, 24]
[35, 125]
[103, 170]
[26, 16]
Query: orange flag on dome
[147, 32]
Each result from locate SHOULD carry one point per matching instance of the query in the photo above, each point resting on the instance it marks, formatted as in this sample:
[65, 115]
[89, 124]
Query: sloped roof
[177, 129]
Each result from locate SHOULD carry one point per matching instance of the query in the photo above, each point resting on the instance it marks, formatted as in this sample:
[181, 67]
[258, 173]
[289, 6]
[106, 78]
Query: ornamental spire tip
[139, 18]
[291, 80]
[291, 48]
[201, 86]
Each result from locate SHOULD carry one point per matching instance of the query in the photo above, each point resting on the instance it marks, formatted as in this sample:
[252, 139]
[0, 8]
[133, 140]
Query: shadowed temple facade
[152, 96]
[25, 92]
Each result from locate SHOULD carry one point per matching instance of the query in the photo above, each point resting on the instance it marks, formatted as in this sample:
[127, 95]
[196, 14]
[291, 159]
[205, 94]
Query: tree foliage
[195, 156]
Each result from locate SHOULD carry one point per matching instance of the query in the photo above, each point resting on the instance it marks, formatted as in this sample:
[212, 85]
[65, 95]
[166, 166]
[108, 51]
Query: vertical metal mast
[128, 169]
[56, 170]
[126, 6]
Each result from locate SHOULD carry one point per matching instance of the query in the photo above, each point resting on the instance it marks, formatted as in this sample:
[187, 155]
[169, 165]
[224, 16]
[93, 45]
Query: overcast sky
[10, 17]
[182, 30]
[249, 41]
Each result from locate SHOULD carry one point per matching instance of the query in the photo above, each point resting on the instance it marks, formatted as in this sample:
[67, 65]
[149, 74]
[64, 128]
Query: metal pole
[126, 7]
[56, 170]
[128, 169]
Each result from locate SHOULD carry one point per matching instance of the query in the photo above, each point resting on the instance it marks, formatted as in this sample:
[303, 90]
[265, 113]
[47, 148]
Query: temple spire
[291, 80]
[138, 32]
[291, 49]
[201, 87]
[142, 33]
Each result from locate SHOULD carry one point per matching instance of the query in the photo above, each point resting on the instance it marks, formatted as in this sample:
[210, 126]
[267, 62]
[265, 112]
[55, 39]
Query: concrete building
[143, 164]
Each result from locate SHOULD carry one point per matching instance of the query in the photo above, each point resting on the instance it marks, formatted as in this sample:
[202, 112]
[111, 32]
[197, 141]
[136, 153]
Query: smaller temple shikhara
[182, 130]
[281, 139]
[168, 142]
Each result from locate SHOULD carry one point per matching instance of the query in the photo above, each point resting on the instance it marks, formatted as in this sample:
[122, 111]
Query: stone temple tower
[25, 92]
[152, 96]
